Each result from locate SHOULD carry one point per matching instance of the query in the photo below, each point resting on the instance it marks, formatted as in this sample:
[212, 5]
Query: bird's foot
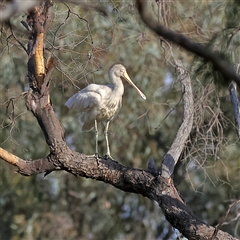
[108, 156]
[96, 155]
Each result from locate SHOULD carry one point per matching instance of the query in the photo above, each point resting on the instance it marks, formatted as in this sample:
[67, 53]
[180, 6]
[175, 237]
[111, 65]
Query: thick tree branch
[172, 156]
[157, 188]
[38, 100]
[218, 62]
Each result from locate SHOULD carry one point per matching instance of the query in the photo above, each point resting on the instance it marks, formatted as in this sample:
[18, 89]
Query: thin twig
[10, 26]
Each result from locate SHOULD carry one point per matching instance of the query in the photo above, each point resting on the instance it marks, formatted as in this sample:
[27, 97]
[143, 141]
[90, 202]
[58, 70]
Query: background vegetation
[86, 43]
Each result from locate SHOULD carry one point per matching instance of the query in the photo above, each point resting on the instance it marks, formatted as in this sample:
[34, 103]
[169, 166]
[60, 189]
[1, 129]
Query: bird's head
[119, 71]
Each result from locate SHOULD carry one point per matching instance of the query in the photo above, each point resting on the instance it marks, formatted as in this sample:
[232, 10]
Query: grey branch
[172, 156]
[235, 102]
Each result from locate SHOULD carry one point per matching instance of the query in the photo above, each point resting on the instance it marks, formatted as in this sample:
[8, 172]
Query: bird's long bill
[127, 78]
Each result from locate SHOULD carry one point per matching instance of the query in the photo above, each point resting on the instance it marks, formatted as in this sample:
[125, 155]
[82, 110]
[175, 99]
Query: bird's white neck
[117, 84]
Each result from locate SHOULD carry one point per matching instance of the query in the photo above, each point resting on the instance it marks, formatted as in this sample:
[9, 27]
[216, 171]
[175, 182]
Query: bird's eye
[122, 71]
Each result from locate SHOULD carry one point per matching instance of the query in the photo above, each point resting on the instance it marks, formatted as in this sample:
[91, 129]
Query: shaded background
[86, 43]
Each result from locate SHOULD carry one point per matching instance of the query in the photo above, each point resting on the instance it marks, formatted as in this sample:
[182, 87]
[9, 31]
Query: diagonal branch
[218, 62]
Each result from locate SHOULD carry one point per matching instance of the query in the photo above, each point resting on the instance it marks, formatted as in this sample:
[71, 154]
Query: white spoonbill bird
[101, 103]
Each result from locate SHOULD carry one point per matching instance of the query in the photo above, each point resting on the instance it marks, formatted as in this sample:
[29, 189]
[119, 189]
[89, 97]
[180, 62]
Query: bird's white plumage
[95, 102]
[101, 102]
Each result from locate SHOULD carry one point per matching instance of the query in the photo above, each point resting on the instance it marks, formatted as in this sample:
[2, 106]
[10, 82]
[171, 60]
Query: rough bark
[157, 188]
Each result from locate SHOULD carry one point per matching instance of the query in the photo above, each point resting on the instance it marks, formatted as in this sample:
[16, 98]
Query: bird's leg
[106, 137]
[96, 138]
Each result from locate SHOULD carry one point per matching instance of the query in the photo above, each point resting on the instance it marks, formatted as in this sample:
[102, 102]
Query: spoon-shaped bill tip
[143, 96]
[127, 78]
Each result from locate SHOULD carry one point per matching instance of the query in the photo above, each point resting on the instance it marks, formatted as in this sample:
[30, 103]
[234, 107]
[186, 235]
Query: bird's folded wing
[82, 101]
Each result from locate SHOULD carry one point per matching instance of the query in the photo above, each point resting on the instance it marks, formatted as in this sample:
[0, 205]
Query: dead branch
[171, 158]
